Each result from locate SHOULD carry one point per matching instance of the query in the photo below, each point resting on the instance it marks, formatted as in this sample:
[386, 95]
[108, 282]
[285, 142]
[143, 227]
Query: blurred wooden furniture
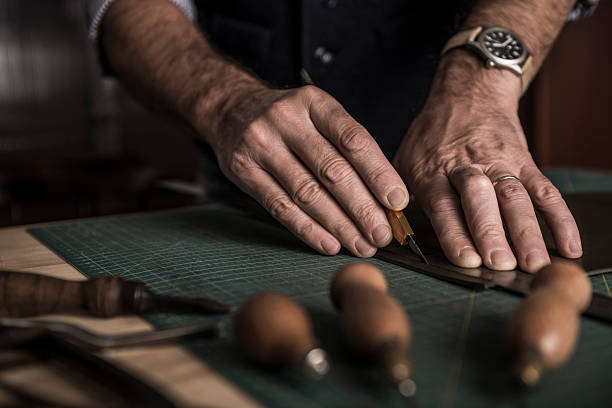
[567, 111]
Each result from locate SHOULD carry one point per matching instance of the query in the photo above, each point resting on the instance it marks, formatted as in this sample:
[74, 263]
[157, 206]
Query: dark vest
[376, 57]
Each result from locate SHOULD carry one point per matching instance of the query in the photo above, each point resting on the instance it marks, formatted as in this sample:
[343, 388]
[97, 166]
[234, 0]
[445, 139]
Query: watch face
[502, 44]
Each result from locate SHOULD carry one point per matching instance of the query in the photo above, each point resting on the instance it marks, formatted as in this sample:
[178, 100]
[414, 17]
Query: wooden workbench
[183, 378]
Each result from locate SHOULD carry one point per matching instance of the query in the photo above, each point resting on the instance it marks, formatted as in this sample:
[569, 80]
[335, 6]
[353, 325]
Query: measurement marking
[453, 384]
[607, 287]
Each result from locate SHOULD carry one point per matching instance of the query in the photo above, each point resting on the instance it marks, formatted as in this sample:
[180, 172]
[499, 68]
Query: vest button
[329, 3]
[323, 55]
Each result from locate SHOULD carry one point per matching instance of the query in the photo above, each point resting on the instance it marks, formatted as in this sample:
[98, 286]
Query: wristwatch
[500, 48]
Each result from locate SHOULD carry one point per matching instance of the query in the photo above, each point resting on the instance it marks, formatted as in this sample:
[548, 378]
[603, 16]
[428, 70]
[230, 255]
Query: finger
[441, 204]
[521, 221]
[483, 218]
[260, 185]
[344, 184]
[548, 200]
[361, 150]
[315, 200]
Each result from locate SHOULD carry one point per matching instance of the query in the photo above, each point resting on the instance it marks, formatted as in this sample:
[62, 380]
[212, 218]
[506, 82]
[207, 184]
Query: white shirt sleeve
[95, 10]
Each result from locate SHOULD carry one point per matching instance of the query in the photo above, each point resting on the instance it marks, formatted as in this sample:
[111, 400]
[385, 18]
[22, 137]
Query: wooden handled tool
[544, 328]
[29, 294]
[273, 330]
[375, 325]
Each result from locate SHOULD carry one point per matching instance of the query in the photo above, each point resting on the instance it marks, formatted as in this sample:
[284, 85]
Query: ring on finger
[506, 177]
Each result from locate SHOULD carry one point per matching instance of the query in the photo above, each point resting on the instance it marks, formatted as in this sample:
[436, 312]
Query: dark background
[73, 144]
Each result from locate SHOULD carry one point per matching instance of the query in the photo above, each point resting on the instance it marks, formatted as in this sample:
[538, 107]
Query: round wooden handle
[568, 279]
[370, 316]
[544, 328]
[271, 329]
[375, 325]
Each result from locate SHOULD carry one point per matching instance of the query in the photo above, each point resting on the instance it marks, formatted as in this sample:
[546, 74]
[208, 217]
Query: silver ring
[502, 178]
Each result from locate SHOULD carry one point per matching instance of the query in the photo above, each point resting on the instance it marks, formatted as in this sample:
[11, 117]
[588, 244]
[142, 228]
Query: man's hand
[297, 152]
[467, 136]
[313, 168]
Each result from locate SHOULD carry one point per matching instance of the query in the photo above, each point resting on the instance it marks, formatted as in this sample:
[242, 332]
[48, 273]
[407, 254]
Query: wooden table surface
[183, 378]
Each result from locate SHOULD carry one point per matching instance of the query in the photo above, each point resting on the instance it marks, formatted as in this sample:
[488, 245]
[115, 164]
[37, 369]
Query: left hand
[467, 136]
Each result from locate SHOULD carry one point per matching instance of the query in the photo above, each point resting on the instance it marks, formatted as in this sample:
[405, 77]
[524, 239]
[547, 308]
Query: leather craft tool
[17, 330]
[544, 328]
[375, 324]
[29, 294]
[273, 330]
[402, 231]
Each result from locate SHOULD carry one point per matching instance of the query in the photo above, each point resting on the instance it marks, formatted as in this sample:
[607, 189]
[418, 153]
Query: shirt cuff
[96, 9]
[582, 8]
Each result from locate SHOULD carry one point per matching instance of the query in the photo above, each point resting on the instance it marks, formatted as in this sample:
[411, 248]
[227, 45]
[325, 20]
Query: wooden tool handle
[271, 329]
[375, 325]
[544, 328]
[28, 294]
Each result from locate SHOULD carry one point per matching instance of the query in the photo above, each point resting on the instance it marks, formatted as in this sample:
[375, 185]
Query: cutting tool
[402, 232]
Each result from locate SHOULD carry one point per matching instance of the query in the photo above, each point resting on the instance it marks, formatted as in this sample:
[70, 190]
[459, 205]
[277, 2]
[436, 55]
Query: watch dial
[503, 44]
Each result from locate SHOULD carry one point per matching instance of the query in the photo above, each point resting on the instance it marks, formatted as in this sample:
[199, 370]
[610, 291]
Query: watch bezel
[497, 60]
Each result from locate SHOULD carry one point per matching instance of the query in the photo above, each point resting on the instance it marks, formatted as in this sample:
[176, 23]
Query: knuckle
[546, 195]
[528, 233]
[443, 205]
[240, 164]
[310, 92]
[488, 231]
[365, 213]
[256, 137]
[279, 206]
[308, 192]
[304, 230]
[477, 183]
[378, 175]
[353, 137]
[336, 170]
[345, 230]
[283, 109]
[510, 191]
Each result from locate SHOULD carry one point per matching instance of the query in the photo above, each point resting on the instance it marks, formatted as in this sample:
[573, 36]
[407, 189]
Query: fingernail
[502, 260]
[535, 260]
[330, 246]
[364, 248]
[381, 234]
[575, 247]
[397, 198]
[469, 258]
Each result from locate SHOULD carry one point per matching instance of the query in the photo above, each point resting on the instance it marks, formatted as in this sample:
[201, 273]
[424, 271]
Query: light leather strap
[462, 38]
[528, 74]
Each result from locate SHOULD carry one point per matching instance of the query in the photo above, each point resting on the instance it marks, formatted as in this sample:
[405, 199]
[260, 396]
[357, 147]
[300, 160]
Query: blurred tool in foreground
[273, 330]
[375, 325]
[29, 294]
[544, 328]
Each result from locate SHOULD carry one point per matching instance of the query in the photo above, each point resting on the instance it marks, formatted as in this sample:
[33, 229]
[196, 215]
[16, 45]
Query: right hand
[316, 170]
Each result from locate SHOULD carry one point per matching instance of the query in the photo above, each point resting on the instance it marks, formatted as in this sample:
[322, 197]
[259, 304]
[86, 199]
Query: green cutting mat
[458, 349]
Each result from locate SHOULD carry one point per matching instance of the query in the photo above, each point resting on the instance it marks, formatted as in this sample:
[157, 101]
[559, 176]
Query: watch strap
[528, 74]
[462, 38]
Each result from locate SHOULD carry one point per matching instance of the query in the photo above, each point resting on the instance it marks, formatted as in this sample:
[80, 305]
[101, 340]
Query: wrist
[225, 104]
[462, 75]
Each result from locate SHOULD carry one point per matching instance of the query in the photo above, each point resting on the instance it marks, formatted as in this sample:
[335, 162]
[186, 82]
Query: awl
[402, 231]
